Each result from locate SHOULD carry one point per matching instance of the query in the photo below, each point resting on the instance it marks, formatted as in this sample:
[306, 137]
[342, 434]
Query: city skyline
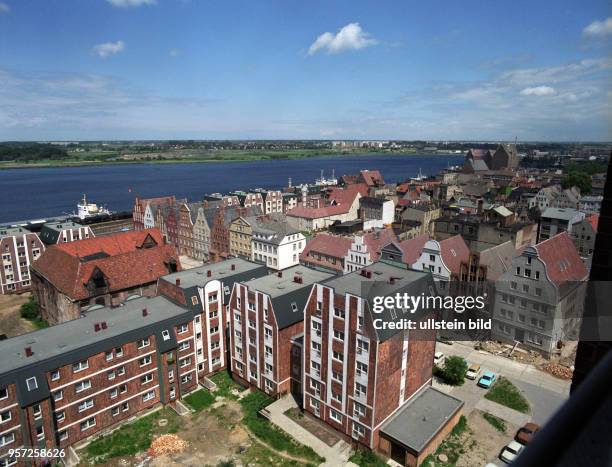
[166, 69]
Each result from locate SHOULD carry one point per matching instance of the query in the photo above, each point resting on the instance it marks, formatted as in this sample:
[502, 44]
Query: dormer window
[165, 335]
[32, 383]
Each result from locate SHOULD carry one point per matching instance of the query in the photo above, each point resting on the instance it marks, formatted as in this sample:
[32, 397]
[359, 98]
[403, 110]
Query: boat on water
[419, 178]
[86, 210]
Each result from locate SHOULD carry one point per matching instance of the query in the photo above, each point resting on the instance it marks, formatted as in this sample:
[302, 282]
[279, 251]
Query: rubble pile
[557, 370]
[167, 444]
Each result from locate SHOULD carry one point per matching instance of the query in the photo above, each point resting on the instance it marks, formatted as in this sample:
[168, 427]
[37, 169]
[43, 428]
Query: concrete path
[503, 412]
[336, 455]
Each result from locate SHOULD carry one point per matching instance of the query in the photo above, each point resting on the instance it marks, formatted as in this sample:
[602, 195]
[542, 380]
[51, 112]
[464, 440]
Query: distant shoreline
[49, 164]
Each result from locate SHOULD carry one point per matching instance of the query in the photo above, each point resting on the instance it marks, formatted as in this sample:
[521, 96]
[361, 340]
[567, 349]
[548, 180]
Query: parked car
[472, 372]
[511, 451]
[487, 380]
[438, 358]
[526, 433]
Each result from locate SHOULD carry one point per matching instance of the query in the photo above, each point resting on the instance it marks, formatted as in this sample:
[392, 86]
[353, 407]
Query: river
[45, 192]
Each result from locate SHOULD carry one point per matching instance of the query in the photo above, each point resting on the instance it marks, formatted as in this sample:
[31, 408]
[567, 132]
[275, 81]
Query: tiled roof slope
[563, 263]
[121, 258]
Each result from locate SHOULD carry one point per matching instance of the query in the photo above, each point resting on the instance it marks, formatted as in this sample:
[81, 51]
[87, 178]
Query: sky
[287, 69]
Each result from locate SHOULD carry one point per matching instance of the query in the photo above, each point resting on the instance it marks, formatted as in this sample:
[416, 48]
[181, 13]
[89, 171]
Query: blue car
[487, 379]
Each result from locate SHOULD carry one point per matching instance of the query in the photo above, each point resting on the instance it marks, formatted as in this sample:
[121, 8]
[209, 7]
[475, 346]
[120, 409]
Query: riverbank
[225, 157]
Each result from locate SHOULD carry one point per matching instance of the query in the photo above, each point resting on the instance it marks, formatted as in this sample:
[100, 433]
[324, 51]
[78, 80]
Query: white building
[276, 245]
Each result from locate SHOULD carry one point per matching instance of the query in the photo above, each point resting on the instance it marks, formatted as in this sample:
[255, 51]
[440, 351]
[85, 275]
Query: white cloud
[4, 8]
[109, 48]
[599, 28]
[350, 37]
[538, 91]
[175, 52]
[130, 3]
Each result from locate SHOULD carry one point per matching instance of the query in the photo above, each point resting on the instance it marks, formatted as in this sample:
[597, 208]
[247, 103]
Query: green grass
[131, 438]
[200, 399]
[452, 446]
[365, 458]
[505, 393]
[225, 385]
[496, 422]
[258, 454]
[269, 434]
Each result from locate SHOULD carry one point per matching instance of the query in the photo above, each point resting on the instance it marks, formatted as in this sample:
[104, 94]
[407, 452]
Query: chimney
[177, 282]
[144, 312]
[209, 273]
[28, 352]
[104, 326]
[97, 327]
[279, 273]
[233, 267]
[297, 279]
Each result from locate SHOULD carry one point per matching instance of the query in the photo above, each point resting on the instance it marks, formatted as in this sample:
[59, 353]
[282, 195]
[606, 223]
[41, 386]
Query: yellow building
[240, 234]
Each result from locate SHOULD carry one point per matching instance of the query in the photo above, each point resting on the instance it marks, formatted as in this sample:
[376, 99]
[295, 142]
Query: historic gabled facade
[64, 232]
[19, 249]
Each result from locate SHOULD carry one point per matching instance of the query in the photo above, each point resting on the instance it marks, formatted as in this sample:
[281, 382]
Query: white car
[438, 358]
[511, 451]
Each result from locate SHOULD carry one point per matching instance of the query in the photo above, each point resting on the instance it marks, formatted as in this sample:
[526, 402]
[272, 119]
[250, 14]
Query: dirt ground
[11, 323]
[212, 436]
[482, 442]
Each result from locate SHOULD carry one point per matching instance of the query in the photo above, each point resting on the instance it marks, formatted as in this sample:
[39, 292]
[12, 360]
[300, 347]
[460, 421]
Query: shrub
[29, 310]
[453, 371]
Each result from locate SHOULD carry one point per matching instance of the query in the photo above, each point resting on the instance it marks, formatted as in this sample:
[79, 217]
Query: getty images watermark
[391, 312]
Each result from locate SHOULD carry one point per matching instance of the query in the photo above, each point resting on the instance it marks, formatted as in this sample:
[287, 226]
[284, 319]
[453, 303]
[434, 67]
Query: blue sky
[158, 69]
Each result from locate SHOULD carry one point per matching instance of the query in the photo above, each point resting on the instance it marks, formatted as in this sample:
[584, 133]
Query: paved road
[544, 392]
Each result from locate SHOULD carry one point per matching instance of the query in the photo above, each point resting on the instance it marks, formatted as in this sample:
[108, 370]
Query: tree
[580, 179]
[454, 370]
[29, 310]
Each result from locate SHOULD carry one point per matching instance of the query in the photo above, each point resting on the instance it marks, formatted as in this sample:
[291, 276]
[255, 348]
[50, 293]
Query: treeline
[23, 152]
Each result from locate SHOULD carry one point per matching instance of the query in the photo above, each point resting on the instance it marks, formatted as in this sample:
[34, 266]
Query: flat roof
[352, 283]
[79, 333]
[199, 276]
[276, 286]
[62, 225]
[560, 213]
[421, 418]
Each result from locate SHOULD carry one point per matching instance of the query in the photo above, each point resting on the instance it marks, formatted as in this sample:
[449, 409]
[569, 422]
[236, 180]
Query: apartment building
[240, 235]
[206, 292]
[72, 278]
[265, 315]
[584, 234]
[557, 220]
[19, 248]
[538, 301]
[140, 207]
[326, 251]
[276, 244]
[65, 383]
[64, 232]
[357, 377]
[273, 202]
[365, 249]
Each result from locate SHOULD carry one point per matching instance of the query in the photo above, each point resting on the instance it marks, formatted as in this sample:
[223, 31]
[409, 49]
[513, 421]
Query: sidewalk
[336, 455]
[500, 411]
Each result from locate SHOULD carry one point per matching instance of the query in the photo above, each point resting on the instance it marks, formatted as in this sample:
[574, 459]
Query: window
[336, 375]
[183, 328]
[360, 390]
[335, 415]
[362, 346]
[359, 410]
[125, 407]
[58, 395]
[338, 313]
[315, 368]
[145, 361]
[63, 435]
[537, 275]
[82, 386]
[316, 328]
[538, 291]
[185, 362]
[214, 329]
[294, 307]
[6, 416]
[55, 375]
[358, 430]
[142, 343]
[185, 379]
[338, 356]
[3, 393]
[148, 396]
[110, 375]
[115, 411]
[31, 383]
[166, 335]
[7, 439]
[80, 366]
[87, 424]
[183, 346]
[337, 396]
[362, 369]
[119, 352]
[113, 393]
[109, 355]
[60, 416]
[338, 335]
[123, 389]
[146, 378]
[513, 285]
[37, 411]
[88, 404]
[121, 371]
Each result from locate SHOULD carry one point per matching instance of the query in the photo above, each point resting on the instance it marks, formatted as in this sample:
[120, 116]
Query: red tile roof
[329, 245]
[413, 248]
[454, 250]
[375, 241]
[122, 259]
[372, 177]
[342, 198]
[563, 263]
